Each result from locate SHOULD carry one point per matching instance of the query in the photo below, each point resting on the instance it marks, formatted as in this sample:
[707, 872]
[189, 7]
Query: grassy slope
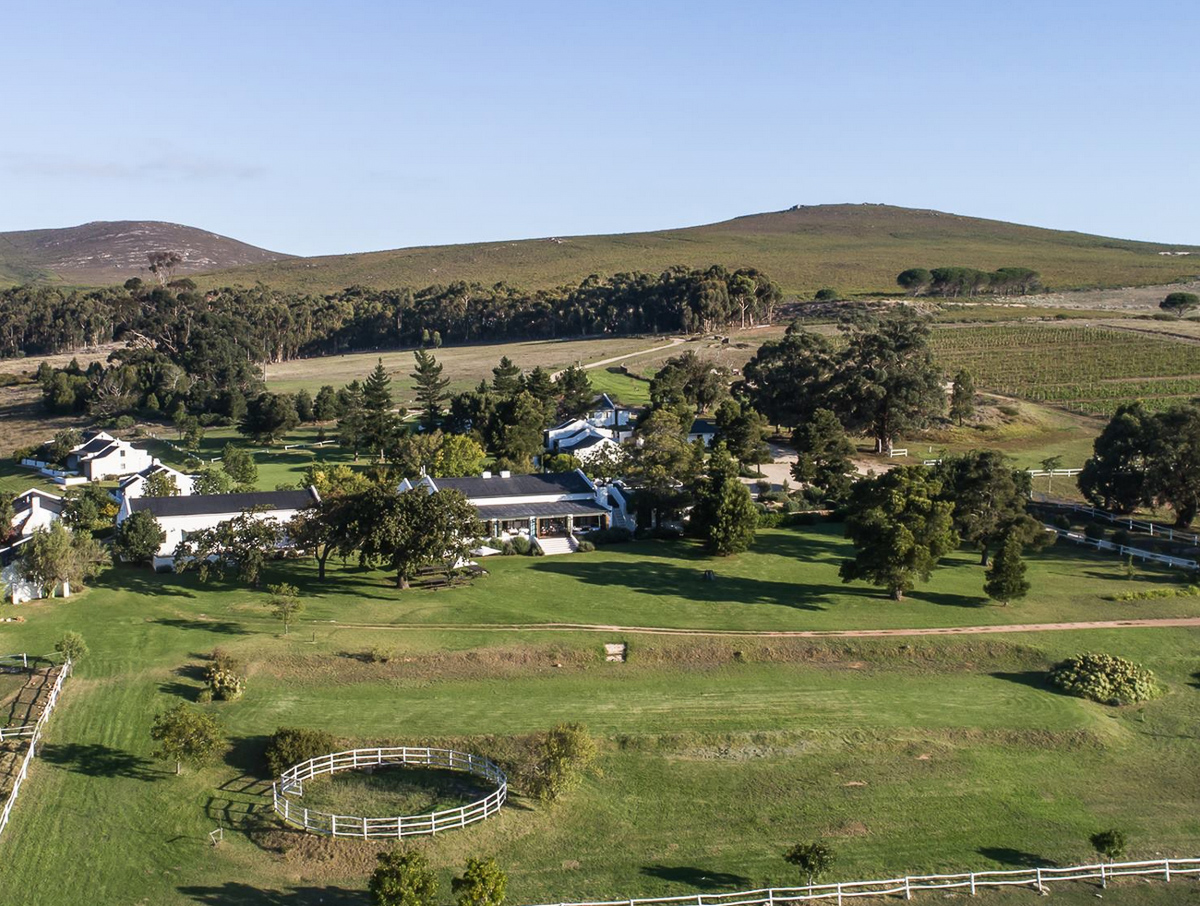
[856, 248]
[935, 753]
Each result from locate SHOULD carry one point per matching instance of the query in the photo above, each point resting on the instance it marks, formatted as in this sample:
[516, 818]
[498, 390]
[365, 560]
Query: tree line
[967, 281]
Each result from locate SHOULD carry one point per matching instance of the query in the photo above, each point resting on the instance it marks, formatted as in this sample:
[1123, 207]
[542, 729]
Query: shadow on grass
[1034, 679]
[235, 893]
[658, 578]
[222, 627]
[248, 755]
[698, 878]
[1195, 683]
[97, 760]
[1015, 858]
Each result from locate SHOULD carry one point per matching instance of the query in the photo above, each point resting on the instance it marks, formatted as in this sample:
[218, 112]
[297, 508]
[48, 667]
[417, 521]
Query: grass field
[854, 248]
[908, 753]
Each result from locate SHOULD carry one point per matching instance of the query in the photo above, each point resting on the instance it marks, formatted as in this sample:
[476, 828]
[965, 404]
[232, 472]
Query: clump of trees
[187, 734]
[1144, 458]
[56, 558]
[967, 281]
[291, 745]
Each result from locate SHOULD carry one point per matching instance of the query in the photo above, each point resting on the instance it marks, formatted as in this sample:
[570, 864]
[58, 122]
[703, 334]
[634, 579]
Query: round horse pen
[291, 783]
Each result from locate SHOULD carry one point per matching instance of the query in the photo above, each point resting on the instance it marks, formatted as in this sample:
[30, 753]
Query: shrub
[566, 753]
[773, 497]
[586, 547]
[770, 520]
[403, 878]
[1010, 411]
[379, 655]
[1152, 594]
[1121, 537]
[1094, 532]
[610, 536]
[483, 883]
[224, 676]
[1063, 521]
[1104, 678]
[521, 545]
[72, 645]
[292, 745]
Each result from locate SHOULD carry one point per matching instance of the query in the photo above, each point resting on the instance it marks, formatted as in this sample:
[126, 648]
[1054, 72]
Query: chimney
[486, 475]
[34, 501]
[504, 473]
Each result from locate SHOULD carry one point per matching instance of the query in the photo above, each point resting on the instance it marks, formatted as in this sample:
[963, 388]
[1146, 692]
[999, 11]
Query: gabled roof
[554, 483]
[604, 401]
[93, 446]
[147, 472]
[586, 444]
[222, 504]
[52, 502]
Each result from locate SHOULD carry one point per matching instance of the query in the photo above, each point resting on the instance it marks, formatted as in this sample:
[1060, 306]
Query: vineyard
[1084, 369]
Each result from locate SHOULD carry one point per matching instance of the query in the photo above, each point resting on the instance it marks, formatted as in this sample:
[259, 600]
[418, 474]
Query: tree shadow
[97, 760]
[186, 691]
[1034, 679]
[223, 627]
[698, 878]
[947, 600]
[248, 755]
[1195, 683]
[658, 578]
[1015, 857]
[235, 893]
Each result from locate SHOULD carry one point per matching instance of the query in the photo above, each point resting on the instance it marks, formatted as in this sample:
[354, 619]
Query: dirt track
[1163, 623]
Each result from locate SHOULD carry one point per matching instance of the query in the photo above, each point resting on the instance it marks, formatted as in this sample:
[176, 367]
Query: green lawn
[909, 754]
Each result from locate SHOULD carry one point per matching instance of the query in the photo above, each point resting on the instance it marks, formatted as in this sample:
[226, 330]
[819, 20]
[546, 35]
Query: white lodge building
[540, 506]
[102, 456]
[179, 516]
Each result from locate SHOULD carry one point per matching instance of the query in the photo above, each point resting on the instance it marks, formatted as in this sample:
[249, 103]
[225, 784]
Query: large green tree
[662, 465]
[744, 432]
[575, 392]
[888, 382]
[430, 387]
[246, 541]
[1114, 478]
[823, 455]
[1173, 473]
[185, 733]
[138, 538]
[351, 424]
[269, 416]
[379, 415]
[238, 463]
[1179, 303]
[962, 396]
[990, 498]
[54, 557]
[407, 531]
[788, 379]
[1006, 578]
[901, 528]
[403, 877]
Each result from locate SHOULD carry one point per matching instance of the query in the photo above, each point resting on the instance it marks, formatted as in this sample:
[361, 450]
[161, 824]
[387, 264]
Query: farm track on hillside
[1158, 623]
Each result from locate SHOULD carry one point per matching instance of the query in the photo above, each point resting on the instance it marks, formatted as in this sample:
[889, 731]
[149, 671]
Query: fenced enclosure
[969, 882]
[291, 782]
[33, 732]
[1153, 529]
[1124, 550]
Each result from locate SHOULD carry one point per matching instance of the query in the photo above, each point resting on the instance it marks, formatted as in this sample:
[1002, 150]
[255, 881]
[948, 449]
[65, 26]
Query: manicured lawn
[908, 754]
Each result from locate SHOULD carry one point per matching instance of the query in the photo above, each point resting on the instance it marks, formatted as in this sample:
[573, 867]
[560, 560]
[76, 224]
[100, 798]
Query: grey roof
[95, 445]
[220, 504]
[146, 473]
[556, 483]
[702, 426]
[51, 502]
[541, 510]
[587, 443]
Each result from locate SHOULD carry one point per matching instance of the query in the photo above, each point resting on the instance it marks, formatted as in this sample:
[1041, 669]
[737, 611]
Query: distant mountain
[854, 248]
[113, 251]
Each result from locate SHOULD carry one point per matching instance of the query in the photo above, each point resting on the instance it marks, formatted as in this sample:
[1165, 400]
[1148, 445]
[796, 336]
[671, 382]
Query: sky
[330, 127]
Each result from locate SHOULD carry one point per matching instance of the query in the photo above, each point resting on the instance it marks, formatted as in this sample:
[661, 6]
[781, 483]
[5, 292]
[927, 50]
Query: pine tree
[431, 388]
[823, 455]
[577, 393]
[379, 419]
[1006, 577]
[734, 522]
[962, 397]
[506, 378]
[350, 425]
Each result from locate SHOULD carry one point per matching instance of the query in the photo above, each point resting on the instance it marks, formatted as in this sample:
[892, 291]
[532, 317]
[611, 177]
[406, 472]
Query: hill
[113, 251]
[855, 248]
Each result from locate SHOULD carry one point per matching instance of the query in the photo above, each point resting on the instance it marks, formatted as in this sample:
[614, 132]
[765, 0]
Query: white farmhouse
[548, 508]
[35, 510]
[102, 456]
[606, 425]
[180, 516]
[135, 484]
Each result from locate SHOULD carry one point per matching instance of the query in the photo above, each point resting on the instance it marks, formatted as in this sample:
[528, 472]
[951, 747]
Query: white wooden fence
[1123, 549]
[1035, 878]
[34, 738]
[1134, 525]
[292, 782]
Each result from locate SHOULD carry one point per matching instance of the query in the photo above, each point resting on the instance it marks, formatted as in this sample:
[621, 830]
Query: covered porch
[543, 520]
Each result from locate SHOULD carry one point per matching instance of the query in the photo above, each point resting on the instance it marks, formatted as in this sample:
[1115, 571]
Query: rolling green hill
[854, 248]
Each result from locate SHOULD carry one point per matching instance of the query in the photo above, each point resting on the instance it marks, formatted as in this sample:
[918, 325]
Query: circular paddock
[291, 783]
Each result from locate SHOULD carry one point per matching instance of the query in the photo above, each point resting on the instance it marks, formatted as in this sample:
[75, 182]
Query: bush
[586, 547]
[1063, 521]
[1153, 594]
[1094, 532]
[72, 645]
[521, 545]
[1010, 411]
[659, 534]
[566, 753]
[292, 745]
[1104, 678]
[1121, 537]
[770, 520]
[773, 497]
[610, 536]
[224, 677]
[379, 655]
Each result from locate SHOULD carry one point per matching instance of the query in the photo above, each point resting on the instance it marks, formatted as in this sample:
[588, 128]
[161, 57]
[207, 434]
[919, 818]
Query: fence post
[839, 893]
[1167, 868]
[1039, 880]
[972, 883]
[907, 889]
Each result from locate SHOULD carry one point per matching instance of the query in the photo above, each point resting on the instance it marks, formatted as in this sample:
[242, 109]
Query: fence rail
[292, 780]
[1123, 549]
[1136, 525]
[1036, 878]
[34, 738]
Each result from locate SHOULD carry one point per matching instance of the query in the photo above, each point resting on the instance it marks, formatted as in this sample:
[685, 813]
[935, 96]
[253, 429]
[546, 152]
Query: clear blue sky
[346, 126]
